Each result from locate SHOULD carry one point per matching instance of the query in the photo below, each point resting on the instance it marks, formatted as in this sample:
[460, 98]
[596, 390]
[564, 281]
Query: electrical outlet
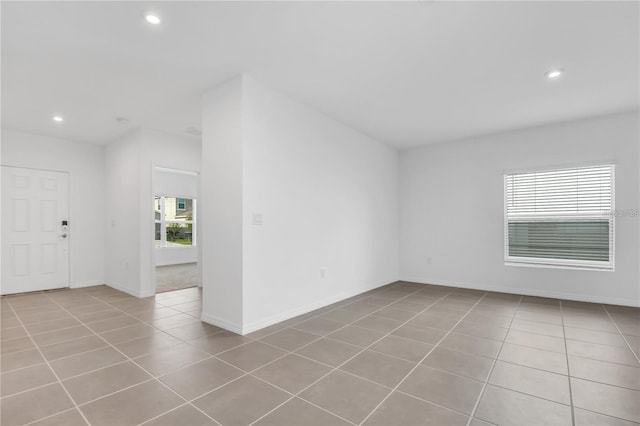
[323, 273]
[428, 261]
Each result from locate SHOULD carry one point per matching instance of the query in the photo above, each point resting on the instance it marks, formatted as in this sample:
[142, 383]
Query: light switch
[257, 219]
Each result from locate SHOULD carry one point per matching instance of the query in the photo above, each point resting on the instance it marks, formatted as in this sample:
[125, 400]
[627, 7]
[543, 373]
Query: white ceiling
[406, 73]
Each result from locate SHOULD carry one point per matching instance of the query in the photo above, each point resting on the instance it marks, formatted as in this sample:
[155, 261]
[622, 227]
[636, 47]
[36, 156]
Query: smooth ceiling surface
[406, 73]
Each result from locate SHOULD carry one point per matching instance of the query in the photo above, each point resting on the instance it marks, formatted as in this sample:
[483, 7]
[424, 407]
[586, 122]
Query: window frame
[559, 263]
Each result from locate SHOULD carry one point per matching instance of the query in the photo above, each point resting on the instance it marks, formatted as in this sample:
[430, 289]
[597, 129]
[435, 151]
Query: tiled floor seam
[81, 337]
[359, 298]
[151, 379]
[30, 389]
[426, 355]
[52, 415]
[363, 349]
[391, 301]
[54, 373]
[154, 377]
[564, 335]
[287, 353]
[631, 422]
[320, 337]
[94, 370]
[23, 368]
[76, 325]
[567, 353]
[167, 412]
[293, 395]
[150, 324]
[191, 364]
[622, 334]
[493, 364]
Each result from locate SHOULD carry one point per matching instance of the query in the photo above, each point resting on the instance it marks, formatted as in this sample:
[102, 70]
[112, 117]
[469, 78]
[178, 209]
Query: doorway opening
[176, 229]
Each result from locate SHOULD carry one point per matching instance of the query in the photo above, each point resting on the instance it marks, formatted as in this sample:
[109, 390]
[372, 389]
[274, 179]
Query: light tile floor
[404, 354]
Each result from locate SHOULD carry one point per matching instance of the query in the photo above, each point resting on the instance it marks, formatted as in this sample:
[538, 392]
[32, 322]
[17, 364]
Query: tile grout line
[294, 396]
[566, 350]
[81, 324]
[133, 359]
[493, 364]
[52, 371]
[153, 376]
[287, 352]
[66, 378]
[345, 372]
[425, 356]
[621, 334]
[380, 353]
[391, 302]
[358, 353]
[51, 416]
[186, 404]
[30, 389]
[91, 350]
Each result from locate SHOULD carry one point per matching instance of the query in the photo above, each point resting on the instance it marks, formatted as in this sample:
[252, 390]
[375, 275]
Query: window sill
[538, 263]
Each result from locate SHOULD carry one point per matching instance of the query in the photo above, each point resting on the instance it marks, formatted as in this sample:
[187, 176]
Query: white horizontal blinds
[578, 191]
[560, 216]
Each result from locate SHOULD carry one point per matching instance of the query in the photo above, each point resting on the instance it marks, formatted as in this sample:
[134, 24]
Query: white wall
[129, 193]
[85, 164]
[220, 206]
[327, 196]
[122, 196]
[328, 199]
[159, 149]
[452, 209]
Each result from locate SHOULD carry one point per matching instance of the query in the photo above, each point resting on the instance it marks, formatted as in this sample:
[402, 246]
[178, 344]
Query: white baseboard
[274, 319]
[219, 322]
[529, 292]
[83, 284]
[146, 293]
[123, 289]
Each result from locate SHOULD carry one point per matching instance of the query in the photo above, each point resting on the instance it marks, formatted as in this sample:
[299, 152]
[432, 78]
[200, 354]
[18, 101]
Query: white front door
[35, 230]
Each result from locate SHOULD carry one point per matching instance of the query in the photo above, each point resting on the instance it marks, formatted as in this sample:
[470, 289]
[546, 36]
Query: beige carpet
[176, 277]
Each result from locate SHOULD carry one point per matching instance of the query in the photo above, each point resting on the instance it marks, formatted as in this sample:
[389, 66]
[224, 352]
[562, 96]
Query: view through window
[174, 221]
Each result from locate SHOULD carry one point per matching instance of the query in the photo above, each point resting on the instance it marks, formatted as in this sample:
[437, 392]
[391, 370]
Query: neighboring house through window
[175, 224]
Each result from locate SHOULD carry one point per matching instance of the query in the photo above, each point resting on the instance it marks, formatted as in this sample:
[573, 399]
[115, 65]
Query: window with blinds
[560, 218]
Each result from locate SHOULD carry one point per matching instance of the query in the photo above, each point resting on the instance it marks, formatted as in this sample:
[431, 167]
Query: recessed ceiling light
[554, 73]
[57, 119]
[152, 18]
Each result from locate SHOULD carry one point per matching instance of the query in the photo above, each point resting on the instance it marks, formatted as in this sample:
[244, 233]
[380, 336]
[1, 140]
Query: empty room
[303, 213]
